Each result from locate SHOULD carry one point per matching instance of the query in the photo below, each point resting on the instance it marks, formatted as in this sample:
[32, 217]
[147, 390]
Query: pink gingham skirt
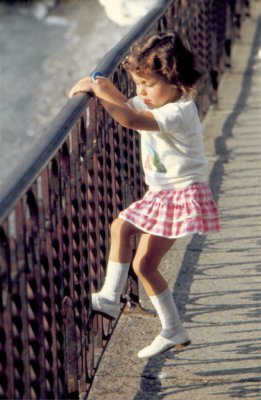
[176, 212]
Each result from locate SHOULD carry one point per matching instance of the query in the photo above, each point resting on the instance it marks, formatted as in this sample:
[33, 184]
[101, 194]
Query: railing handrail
[42, 151]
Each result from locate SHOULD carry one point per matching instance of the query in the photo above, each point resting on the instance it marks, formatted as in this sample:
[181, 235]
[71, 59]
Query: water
[126, 12]
[44, 49]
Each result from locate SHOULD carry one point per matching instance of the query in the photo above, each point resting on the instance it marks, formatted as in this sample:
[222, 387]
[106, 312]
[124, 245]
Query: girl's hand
[115, 103]
[83, 86]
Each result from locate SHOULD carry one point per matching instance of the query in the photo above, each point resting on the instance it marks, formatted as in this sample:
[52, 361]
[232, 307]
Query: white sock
[115, 281]
[168, 314]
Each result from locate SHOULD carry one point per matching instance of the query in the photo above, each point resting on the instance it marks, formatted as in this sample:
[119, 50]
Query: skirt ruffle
[176, 212]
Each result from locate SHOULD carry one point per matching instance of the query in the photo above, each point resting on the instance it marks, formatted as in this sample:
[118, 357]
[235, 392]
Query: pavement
[216, 280]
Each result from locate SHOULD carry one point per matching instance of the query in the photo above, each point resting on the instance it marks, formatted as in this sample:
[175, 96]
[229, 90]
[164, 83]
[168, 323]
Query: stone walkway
[216, 280]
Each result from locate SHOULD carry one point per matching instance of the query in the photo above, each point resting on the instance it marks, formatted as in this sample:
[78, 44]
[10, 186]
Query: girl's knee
[116, 227]
[120, 229]
[144, 267]
[116, 224]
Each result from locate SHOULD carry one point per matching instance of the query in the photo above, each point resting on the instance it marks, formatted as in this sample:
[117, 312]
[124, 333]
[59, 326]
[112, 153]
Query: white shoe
[101, 306]
[161, 344]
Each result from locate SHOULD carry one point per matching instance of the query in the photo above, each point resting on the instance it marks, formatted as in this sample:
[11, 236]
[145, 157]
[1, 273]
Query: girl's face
[154, 90]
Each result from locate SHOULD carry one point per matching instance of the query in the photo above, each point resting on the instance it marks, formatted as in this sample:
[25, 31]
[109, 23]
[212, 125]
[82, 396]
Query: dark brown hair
[166, 55]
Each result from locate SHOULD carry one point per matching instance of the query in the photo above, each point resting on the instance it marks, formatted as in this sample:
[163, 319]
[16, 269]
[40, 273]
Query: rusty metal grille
[57, 207]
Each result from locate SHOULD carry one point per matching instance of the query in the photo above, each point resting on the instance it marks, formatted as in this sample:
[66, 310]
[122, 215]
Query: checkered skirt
[176, 212]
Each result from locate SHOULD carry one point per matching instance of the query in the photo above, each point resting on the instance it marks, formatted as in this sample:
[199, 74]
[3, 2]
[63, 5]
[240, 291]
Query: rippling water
[45, 48]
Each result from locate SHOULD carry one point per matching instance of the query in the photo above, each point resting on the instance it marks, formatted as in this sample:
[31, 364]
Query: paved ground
[215, 280]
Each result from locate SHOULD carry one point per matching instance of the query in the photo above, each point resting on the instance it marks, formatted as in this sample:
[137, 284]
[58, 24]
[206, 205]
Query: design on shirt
[153, 159]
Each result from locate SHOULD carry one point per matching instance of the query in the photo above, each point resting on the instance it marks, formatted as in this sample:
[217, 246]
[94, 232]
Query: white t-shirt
[174, 156]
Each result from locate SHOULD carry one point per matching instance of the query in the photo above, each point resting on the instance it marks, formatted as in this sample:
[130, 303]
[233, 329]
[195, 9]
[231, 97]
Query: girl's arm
[115, 103]
[88, 85]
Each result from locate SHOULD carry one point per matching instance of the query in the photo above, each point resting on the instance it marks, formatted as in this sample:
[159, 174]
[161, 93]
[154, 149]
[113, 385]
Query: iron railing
[56, 207]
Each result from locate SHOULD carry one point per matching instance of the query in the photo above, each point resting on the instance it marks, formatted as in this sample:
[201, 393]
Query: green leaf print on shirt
[158, 164]
[155, 159]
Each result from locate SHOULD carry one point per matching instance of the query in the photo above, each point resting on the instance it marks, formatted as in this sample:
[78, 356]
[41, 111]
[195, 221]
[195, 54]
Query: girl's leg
[121, 233]
[150, 251]
[146, 262]
[107, 301]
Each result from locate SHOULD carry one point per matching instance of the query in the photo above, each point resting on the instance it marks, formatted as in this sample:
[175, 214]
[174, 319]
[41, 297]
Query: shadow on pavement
[150, 385]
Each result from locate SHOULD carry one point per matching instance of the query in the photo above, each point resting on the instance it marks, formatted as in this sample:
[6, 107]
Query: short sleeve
[169, 118]
[137, 104]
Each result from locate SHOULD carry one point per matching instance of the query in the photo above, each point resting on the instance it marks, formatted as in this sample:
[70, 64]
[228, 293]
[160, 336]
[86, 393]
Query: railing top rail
[45, 147]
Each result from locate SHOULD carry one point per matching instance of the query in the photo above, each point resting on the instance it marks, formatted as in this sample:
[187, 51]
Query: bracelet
[97, 74]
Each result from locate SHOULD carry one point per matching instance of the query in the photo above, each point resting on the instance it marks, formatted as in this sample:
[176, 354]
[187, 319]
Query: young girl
[179, 201]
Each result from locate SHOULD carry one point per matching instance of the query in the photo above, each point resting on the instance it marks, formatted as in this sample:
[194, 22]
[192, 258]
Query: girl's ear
[177, 92]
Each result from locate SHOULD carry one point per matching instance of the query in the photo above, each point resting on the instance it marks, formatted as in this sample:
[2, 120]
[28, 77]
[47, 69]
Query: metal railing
[56, 208]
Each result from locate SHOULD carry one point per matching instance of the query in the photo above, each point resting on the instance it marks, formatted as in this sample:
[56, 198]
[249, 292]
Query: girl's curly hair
[166, 55]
